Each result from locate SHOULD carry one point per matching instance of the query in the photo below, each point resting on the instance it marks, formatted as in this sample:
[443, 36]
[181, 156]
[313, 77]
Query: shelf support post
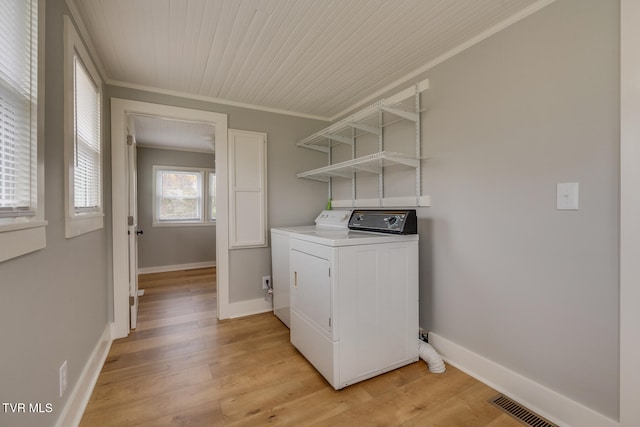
[380, 149]
[330, 181]
[418, 146]
[353, 173]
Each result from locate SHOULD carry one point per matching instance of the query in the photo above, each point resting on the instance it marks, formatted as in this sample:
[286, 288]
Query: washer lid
[332, 237]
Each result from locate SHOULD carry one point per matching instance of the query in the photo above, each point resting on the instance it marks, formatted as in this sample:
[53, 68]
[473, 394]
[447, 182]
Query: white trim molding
[249, 307]
[19, 241]
[73, 410]
[120, 110]
[629, 213]
[537, 397]
[176, 267]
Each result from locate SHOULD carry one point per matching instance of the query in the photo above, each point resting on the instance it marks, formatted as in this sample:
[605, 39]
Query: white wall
[504, 274]
[53, 302]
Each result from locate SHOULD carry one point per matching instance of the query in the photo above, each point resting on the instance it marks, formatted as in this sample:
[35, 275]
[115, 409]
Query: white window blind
[87, 173]
[18, 107]
[83, 137]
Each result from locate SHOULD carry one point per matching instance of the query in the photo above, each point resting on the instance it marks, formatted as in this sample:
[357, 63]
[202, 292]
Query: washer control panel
[333, 218]
[395, 221]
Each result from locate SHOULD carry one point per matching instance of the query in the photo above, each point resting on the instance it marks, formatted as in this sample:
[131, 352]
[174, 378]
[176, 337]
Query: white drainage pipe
[431, 356]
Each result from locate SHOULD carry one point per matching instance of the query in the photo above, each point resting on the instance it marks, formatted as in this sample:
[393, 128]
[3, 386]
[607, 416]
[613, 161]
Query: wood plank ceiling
[158, 132]
[310, 57]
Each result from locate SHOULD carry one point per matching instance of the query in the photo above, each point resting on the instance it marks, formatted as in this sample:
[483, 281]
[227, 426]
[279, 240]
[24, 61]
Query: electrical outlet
[63, 378]
[266, 282]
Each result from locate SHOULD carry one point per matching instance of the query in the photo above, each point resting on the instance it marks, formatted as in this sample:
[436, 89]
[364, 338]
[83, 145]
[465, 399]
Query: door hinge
[130, 220]
[132, 301]
[329, 321]
[329, 271]
[129, 140]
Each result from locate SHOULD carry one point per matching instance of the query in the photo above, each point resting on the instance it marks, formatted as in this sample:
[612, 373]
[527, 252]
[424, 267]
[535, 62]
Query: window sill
[83, 223]
[184, 224]
[21, 238]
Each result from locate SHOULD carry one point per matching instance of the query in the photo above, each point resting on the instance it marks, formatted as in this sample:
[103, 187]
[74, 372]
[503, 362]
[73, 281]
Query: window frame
[79, 220]
[205, 201]
[20, 234]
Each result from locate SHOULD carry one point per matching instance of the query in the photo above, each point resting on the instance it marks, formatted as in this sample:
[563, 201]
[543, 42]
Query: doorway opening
[172, 209]
[126, 114]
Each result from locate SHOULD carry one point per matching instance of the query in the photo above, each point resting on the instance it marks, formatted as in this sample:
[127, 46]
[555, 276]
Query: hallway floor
[183, 367]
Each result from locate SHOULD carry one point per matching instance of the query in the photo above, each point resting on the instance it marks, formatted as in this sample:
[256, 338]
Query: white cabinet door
[247, 189]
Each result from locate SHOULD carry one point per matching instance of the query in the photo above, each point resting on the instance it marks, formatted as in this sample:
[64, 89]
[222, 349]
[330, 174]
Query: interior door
[132, 229]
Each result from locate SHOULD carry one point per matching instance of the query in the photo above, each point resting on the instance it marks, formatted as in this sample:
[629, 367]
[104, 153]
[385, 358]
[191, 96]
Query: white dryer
[354, 295]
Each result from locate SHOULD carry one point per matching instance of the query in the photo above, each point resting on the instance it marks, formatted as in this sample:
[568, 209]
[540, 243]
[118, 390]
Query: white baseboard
[76, 404]
[176, 267]
[249, 307]
[538, 398]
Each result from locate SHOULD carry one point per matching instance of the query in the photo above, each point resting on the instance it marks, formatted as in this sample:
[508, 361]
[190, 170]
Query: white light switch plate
[567, 196]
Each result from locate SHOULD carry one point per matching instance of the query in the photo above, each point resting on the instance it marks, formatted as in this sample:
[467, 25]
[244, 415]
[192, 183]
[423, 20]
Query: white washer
[354, 298]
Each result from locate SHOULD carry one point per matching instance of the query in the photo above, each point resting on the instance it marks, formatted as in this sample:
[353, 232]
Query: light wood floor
[183, 367]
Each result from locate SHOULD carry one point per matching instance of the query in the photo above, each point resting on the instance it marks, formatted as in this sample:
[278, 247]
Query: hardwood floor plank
[131, 389]
[205, 415]
[309, 409]
[152, 408]
[184, 367]
[398, 406]
[462, 410]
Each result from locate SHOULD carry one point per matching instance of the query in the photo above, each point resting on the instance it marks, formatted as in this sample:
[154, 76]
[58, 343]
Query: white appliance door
[311, 289]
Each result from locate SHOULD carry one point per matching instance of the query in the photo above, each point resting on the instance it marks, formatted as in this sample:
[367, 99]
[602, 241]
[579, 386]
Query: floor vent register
[519, 412]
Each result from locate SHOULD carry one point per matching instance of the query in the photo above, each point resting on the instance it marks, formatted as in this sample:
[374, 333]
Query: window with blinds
[18, 107]
[87, 150]
[83, 137]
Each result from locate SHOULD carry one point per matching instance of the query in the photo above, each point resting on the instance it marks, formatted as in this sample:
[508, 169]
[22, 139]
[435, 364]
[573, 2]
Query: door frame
[629, 212]
[120, 109]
